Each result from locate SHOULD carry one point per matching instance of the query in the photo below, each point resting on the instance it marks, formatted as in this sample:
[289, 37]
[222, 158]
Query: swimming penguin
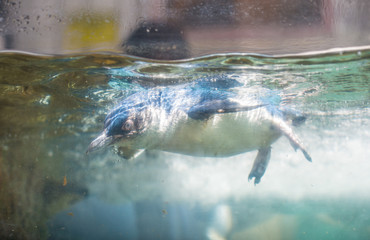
[208, 119]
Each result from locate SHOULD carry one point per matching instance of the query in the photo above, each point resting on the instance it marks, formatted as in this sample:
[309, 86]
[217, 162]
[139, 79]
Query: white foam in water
[339, 149]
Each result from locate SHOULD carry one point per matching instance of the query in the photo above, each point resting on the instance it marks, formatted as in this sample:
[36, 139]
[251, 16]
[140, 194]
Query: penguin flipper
[128, 153]
[208, 108]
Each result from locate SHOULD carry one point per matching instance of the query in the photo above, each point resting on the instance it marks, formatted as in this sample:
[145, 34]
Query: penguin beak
[100, 142]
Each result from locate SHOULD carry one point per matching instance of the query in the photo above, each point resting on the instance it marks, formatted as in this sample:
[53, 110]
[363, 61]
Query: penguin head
[126, 126]
[121, 125]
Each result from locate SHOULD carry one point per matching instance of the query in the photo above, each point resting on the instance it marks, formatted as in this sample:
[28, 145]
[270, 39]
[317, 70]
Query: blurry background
[187, 27]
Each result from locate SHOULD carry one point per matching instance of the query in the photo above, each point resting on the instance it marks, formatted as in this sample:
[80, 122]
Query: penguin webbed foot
[257, 179]
[296, 145]
[260, 164]
[293, 139]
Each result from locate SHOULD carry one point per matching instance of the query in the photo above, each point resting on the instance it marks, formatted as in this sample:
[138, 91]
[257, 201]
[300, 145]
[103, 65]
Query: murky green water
[53, 106]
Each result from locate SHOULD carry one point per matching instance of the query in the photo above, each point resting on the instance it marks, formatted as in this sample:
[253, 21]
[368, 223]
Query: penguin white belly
[222, 135]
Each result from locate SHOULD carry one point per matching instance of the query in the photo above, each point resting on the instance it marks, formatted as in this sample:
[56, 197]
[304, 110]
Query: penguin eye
[128, 125]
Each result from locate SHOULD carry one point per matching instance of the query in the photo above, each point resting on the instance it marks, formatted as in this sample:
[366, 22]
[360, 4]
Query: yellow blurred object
[91, 30]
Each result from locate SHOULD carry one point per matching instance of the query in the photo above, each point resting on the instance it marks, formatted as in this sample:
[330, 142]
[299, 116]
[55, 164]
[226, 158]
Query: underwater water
[52, 107]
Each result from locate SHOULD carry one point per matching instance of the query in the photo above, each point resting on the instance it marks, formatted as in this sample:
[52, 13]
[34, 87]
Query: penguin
[203, 118]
